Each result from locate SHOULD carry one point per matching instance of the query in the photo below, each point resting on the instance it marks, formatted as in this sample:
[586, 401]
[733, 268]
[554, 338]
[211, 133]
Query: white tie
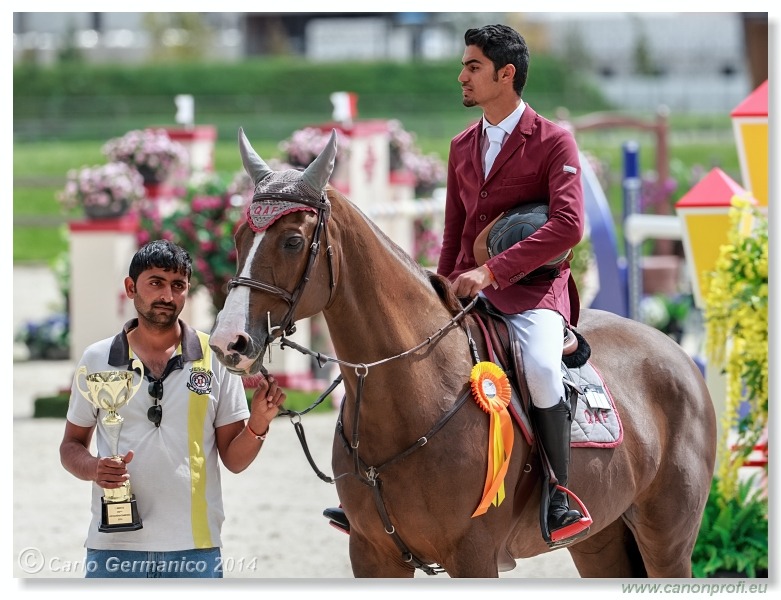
[495, 137]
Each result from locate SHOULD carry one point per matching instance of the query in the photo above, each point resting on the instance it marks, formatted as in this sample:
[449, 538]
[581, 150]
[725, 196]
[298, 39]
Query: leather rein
[366, 474]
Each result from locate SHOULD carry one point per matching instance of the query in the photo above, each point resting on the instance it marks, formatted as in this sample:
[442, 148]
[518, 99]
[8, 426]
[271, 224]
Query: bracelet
[257, 437]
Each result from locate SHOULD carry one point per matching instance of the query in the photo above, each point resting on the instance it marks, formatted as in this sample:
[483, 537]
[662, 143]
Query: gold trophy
[111, 390]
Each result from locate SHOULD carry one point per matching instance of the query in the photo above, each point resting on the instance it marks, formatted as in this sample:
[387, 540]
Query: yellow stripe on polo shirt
[199, 405]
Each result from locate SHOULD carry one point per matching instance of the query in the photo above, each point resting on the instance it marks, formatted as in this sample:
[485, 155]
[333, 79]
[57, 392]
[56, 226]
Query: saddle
[498, 337]
[504, 350]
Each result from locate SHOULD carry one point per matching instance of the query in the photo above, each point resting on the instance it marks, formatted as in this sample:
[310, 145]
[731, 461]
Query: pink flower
[111, 186]
[150, 151]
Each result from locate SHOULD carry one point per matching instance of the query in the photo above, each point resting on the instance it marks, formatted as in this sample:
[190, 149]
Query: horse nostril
[242, 344]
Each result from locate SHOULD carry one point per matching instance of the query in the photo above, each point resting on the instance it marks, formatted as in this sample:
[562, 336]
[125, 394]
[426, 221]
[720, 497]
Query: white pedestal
[100, 254]
[199, 143]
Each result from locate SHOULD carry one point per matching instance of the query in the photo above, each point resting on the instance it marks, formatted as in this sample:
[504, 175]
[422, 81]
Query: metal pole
[631, 189]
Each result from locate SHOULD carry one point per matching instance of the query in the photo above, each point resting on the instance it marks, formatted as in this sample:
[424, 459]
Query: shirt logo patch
[569, 169]
[200, 380]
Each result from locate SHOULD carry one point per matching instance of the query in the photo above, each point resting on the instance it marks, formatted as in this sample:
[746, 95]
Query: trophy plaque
[110, 391]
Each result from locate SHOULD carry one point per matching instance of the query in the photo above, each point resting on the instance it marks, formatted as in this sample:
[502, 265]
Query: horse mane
[442, 287]
[439, 283]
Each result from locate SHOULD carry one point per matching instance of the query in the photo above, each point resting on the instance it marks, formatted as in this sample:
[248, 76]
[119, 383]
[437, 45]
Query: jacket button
[484, 194]
[483, 217]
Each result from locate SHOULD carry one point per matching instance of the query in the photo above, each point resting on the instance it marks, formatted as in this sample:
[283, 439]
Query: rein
[361, 371]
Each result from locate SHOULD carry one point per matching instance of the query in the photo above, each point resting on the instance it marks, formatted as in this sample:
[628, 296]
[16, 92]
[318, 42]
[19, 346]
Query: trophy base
[120, 516]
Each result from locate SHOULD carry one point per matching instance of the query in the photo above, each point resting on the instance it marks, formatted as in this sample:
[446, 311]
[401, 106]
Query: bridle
[323, 207]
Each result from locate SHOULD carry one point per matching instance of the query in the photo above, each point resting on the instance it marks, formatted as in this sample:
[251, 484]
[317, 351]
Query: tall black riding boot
[553, 427]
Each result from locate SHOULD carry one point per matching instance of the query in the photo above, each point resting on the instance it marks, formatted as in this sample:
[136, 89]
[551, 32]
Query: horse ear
[319, 170]
[253, 164]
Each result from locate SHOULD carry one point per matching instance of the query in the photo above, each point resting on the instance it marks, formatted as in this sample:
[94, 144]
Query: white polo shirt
[174, 473]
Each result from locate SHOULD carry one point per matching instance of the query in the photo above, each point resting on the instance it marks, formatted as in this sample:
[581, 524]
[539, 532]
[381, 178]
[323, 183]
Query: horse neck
[383, 303]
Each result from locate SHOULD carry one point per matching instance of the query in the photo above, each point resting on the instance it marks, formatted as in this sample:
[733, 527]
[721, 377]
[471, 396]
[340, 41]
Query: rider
[535, 161]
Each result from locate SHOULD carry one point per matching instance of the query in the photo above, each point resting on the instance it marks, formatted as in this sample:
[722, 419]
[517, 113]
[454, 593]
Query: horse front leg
[371, 560]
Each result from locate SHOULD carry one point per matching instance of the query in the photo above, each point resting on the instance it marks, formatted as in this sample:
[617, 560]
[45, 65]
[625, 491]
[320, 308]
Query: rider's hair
[503, 46]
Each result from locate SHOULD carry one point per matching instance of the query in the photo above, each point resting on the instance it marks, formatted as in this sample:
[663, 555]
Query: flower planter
[110, 211]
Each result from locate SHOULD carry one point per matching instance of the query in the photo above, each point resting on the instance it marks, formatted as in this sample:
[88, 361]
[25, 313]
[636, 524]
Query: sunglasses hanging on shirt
[155, 413]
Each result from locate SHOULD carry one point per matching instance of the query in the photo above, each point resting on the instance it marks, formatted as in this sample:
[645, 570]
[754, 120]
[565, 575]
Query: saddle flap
[497, 343]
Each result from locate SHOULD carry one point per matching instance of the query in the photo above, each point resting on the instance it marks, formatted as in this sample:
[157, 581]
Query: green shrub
[733, 534]
[82, 101]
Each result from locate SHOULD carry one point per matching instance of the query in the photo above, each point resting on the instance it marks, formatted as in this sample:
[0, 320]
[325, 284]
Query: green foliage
[82, 101]
[733, 534]
[271, 78]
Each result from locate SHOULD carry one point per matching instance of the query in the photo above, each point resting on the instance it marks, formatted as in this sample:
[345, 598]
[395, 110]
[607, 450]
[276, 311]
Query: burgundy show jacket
[539, 161]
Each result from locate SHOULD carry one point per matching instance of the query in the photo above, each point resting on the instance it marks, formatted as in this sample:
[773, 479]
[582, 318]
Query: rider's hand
[467, 285]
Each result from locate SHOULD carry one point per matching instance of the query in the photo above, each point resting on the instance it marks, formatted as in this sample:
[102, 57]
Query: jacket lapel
[515, 141]
[474, 148]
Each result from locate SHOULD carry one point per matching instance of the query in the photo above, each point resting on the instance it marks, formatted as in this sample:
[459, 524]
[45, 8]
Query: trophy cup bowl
[110, 391]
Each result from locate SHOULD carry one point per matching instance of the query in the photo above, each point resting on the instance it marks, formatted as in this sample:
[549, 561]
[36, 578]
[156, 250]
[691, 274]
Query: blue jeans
[205, 563]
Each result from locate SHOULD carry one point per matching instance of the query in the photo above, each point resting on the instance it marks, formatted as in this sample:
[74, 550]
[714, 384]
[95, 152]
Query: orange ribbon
[491, 390]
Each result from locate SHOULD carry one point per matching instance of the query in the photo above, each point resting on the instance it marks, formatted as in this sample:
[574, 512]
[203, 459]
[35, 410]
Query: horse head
[280, 253]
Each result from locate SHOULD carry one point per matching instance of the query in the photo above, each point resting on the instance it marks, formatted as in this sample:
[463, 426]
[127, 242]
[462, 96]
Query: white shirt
[509, 123]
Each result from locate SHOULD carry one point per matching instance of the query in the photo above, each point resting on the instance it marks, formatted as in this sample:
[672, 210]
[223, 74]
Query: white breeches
[540, 333]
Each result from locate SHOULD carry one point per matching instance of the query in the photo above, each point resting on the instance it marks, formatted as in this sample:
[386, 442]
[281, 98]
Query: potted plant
[47, 339]
[150, 151]
[733, 535]
[305, 144]
[102, 191]
[428, 169]
[734, 529]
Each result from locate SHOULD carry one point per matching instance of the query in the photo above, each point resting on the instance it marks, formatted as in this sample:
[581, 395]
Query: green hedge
[78, 101]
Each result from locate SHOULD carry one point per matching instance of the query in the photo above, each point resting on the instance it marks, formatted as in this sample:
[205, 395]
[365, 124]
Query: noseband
[323, 207]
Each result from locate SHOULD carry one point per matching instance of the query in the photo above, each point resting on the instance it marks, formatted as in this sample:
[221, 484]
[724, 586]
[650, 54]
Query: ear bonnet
[279, 193]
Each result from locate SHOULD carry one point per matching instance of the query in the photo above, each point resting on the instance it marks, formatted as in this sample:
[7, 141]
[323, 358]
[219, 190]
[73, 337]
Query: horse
[409, 451]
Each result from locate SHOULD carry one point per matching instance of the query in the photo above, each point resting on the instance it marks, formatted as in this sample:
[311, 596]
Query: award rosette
[110, 391]
[491, 390]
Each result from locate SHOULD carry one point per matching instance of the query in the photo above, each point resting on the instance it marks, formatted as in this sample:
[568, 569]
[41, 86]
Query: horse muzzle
[241, 354]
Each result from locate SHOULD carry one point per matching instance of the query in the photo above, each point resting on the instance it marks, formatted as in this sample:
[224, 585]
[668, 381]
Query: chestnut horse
[409, 452]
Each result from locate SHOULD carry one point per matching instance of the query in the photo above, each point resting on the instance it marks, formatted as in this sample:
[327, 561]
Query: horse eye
[295, 242]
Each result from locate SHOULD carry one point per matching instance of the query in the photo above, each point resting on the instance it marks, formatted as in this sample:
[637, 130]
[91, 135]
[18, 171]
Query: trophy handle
[82, 371]
[136, 364]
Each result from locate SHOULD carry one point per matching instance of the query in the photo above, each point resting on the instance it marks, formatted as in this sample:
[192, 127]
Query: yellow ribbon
[491, 390]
